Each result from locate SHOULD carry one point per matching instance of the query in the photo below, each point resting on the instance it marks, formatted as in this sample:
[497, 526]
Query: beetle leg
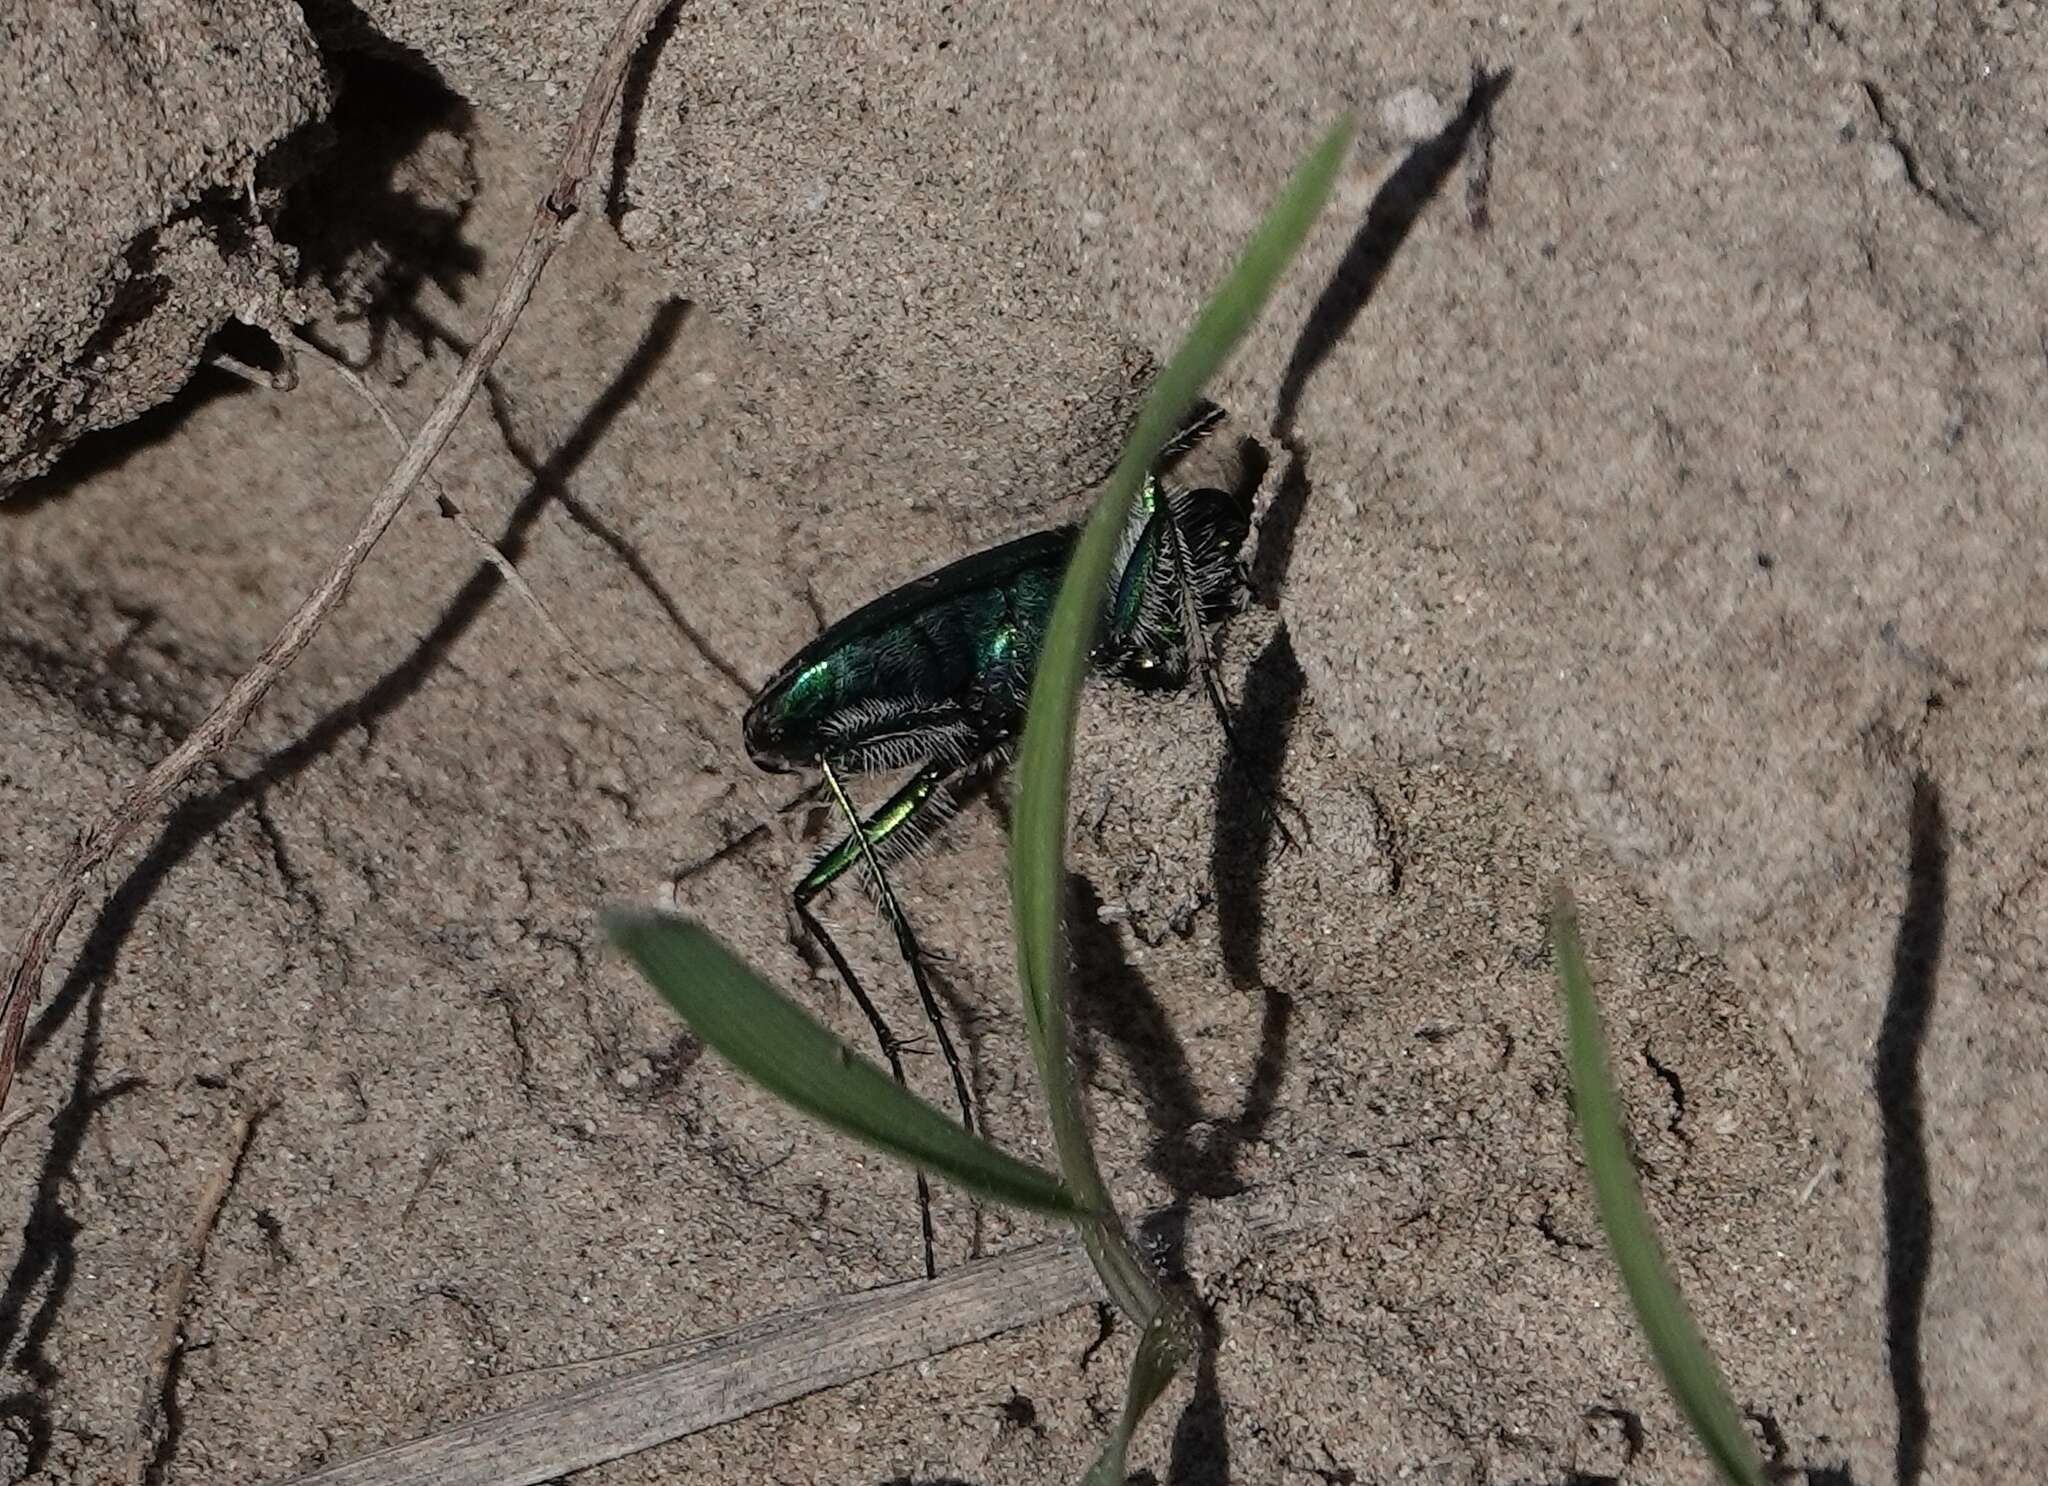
[892, 1050]
[882, 834]
[866, 843]
[1202, 418]
[897, 814]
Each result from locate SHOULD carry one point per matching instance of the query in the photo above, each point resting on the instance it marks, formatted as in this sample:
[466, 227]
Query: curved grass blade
[1675, 1342]
[787, 1051]
[1165, 1344]
[1038, 834]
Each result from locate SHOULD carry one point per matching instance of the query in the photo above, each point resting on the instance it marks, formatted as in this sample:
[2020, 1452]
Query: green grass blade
[783, 1048]
[1675, 1342]
[1045, 758]
[1164, 1345]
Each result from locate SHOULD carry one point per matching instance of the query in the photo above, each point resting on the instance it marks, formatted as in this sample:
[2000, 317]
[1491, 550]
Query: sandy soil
[1570, 575]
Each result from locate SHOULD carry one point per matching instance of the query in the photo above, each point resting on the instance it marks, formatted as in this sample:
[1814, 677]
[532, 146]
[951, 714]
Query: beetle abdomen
[942, 665]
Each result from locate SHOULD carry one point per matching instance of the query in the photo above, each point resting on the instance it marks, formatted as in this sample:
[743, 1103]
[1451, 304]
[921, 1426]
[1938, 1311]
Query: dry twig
[770, 1361]
[177, 1289]
[21, 982]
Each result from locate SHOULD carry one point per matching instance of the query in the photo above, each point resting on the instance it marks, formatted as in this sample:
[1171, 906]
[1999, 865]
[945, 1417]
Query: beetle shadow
[1195, 1155]
[388, 211]
[1242, 844]
[48, 1258]
[1909, 1228]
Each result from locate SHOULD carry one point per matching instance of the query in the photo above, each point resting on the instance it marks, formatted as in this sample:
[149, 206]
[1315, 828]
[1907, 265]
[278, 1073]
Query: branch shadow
[624, 552]
[105, 450]
[1895, 1077]
[1196, 1156]
[49, 1253]
[49, 1236]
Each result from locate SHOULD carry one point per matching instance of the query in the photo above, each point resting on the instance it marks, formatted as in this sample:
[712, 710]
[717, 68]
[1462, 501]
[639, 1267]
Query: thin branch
[22, 982]
[177, 1289]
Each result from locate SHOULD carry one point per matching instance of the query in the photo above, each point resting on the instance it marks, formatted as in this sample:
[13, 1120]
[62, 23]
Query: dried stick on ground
[785, 1356]
[145, 800]
[177, 1289]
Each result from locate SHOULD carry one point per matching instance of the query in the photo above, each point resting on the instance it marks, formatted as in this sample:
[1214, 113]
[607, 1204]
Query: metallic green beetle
[937, 673]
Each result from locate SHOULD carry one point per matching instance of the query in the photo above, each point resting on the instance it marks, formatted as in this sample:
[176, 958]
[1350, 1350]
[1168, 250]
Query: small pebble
[1414, 114]
[636, 227]
[1886, 164]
